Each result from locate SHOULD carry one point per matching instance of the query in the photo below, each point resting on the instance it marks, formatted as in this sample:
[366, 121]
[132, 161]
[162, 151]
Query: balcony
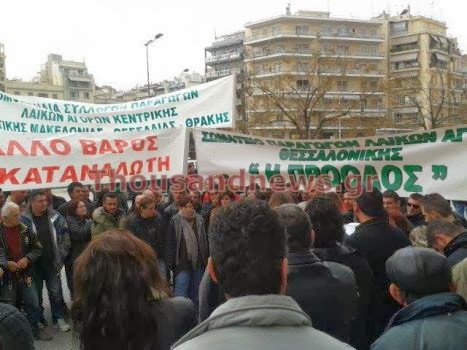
[352, 54]
[354, 73]
[225, 57]
[222, 73]
[351, 36]
[279, 35]
[263, 55]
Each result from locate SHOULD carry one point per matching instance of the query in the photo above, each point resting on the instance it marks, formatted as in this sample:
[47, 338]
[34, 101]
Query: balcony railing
[222, 73]
[351, 35]
[280, 34]
[329, 53]
[224, 57]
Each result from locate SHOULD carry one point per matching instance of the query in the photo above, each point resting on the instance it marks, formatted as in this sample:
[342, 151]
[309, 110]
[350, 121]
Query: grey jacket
[258, 322]
[59, 231]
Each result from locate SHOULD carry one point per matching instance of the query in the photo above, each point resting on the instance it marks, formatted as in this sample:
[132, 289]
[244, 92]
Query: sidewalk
[61, 341]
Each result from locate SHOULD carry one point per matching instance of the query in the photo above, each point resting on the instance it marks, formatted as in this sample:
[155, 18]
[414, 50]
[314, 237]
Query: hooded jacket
[58, 229]
[103, 221]
[434, 322]
[258, 322]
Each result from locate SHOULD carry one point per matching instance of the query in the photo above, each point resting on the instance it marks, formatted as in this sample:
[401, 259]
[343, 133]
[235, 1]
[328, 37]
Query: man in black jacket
[448, 239]
[326, 291]
[432, 316]
[146, 224]
[377, 240]
[414, 209]
[19, 250]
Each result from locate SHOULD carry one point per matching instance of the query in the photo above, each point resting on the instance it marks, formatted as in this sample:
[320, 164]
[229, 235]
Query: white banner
[210, 105]
[422, 161]
[28, 161]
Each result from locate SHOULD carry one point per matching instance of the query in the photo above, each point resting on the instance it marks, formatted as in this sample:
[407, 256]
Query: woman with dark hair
[279, 198]
[79, 228]
[327, 222]
[187, 250]
[121, 301]
[224, 199]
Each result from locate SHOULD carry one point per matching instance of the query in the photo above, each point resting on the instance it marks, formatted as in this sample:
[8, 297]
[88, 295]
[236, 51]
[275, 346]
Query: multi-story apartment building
[426, 73]
[58, 79]
[2, 67]
[78, 84]
[314, 75]
[225, 56]
[34, 88]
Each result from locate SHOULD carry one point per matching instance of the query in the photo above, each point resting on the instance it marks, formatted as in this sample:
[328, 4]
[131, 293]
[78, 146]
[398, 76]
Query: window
[399, 27]
[397, 118]
[17, 93]
[55, 96]
[326, 30]
[277, 67]
[30, 94]
[73, 94]
[276, 30]
[342, 50]
[302, 30]
[302, 49]
[41, 94]
[302, 67]
[342, 85]
[86, 95]
[303, 84]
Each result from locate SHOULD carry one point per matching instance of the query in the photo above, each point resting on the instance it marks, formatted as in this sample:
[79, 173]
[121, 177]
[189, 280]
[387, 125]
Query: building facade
[77, 83]
[426, 73]
[26, 88]
[225, 56]
[2, 67]
[311, 75]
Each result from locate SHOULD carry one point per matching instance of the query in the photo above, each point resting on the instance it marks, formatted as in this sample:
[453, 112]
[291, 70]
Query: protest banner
[422, 161]
[210, 105]
[28, 161]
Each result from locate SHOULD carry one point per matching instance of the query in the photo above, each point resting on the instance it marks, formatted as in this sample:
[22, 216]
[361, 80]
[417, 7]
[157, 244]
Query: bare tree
[306, 95]
[435, 100]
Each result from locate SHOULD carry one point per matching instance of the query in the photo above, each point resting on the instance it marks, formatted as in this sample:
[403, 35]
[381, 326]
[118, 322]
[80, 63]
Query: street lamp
[149, 42]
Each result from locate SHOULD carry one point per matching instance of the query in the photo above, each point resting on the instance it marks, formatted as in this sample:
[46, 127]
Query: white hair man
[19, 250]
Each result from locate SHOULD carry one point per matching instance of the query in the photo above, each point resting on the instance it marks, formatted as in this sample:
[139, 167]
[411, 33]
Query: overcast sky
[110, 34]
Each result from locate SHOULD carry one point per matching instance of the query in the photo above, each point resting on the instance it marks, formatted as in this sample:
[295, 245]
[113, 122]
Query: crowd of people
[234, 270]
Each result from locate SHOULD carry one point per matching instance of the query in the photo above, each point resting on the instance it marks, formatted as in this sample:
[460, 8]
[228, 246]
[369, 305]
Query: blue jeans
[28, 295]
[187, 285]
[54, 289]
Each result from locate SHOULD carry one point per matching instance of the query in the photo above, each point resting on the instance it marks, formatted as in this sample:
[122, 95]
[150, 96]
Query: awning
[413, 56]
[441, 57]
[435, 38]
[405, 40]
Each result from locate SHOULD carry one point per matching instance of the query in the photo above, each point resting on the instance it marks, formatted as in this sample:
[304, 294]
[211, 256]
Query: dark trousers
[69, 275]
[54, 289]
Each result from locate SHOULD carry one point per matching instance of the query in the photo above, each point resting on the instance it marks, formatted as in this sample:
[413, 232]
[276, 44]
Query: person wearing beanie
[433, 317]
[376, 240]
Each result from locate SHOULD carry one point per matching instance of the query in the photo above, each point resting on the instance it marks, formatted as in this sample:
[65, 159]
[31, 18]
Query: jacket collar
[371, 222]
[302, 258]
[331, 252]
[458, 242]
[252, 311]
[432, 305]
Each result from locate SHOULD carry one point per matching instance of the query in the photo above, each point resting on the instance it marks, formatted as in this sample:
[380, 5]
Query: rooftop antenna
[287, 10]
[432, 5]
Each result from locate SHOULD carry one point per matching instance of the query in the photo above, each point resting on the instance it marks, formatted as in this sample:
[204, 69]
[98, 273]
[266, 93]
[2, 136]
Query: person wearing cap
[376, 240]
[432, 317]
